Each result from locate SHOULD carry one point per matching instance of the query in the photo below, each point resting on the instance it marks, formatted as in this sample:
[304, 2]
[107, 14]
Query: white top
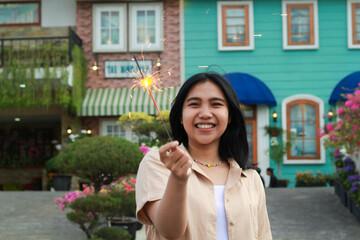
[221, 225]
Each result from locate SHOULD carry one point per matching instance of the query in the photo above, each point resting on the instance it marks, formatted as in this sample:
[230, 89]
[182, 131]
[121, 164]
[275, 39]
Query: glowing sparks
[149, 79]
[146, 82]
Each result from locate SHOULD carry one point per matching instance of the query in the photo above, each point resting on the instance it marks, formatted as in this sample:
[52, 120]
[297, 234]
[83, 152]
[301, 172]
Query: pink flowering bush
[345, 132]
[91, 209]
[68, 199]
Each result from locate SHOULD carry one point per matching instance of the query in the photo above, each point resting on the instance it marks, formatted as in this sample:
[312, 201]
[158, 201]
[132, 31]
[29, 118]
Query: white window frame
[351, 45]
[113, 121]
[286, 46]
[97, 46]
[221, 46]
[319, 101]
[158, 45]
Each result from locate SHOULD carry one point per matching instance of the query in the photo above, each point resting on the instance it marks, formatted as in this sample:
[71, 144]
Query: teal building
[298, 52]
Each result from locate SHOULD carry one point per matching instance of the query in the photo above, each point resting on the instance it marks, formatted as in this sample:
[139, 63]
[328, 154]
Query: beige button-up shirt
[245, 203]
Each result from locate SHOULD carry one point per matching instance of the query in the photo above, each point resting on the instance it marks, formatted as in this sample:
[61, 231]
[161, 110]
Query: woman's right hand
[176, 160]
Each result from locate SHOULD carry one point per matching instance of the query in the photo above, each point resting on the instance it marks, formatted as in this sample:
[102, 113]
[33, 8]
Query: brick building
[112, 33]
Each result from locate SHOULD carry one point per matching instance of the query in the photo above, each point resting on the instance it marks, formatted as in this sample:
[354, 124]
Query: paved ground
[295, 214]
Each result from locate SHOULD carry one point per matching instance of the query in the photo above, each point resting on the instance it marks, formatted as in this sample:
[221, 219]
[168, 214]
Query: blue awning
[347, 85]
[250, 90]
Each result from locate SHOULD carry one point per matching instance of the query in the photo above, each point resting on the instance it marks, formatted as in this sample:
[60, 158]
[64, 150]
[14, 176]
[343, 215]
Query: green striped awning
[117, 101]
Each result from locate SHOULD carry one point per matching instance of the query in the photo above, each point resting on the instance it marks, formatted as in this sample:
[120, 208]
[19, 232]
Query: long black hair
[233, 143]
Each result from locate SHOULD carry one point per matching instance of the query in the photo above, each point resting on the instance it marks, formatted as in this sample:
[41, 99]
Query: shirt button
[232, 223]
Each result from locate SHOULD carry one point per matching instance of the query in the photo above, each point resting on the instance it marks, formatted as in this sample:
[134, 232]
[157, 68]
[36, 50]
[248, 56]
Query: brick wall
[170, 57]
[91, 123]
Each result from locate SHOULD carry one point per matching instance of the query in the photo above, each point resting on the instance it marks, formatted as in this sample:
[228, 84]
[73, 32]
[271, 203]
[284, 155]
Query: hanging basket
[274, 133]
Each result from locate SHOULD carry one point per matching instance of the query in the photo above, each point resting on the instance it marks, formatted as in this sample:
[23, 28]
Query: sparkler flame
[148, 82]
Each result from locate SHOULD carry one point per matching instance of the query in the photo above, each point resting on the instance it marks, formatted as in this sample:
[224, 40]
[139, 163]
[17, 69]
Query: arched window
[301, 119]
[303, 123]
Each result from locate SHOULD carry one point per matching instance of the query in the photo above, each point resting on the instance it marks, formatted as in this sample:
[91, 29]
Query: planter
[282, 183]
[350, 203]
[62, 182]
[337, 187]
[356, 212]
[343, 195]
[331, 182]
[274, 133]
[128, 223]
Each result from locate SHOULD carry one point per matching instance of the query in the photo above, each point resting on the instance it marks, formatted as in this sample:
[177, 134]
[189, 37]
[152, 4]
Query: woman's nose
[205, 112]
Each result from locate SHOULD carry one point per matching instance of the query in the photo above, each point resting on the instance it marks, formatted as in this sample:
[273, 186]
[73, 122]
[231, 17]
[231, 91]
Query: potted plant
[273, 130]
[57, 175]
[124, 217]
[102, 160]
[277, 151]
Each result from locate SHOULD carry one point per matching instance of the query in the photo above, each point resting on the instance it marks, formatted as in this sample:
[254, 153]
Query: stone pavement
[295, 214]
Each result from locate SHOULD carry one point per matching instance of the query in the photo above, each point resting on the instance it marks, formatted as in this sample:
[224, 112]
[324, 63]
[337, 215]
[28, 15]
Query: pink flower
[348, 103]
[354, 107]
[127, 185]
[341, 110]
[144, 149]
[329, 127]
[355, 126]
[133, 181]
[336, 151]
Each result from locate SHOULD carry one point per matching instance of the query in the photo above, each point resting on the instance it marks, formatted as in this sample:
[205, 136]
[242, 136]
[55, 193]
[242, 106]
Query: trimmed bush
[108, 233]
[101, 159]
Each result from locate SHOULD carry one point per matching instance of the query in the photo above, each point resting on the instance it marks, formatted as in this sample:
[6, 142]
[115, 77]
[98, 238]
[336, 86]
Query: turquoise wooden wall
[285, 72]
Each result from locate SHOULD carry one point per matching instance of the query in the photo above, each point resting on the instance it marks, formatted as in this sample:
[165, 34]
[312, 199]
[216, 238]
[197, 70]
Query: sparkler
[146, 83]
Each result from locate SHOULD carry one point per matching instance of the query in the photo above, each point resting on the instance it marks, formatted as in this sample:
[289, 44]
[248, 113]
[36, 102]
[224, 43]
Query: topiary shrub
[101, 159]
[108, 233]
[90, 211]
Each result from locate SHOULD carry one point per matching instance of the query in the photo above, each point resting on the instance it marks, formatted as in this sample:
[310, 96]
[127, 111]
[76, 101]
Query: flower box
[343, 196]
[350, 203]
[356, 212]
[337, 187]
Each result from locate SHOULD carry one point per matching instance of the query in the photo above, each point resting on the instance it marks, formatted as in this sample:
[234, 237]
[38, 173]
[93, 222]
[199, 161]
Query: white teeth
[205, 125]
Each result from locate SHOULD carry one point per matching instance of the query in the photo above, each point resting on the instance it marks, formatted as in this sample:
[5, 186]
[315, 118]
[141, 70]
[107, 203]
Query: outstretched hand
[176, 160]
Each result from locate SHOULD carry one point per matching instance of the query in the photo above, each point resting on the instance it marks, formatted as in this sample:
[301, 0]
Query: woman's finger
[164, 149]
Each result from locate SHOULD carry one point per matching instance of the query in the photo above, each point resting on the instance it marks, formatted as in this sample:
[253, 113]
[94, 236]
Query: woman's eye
[217, 104]
[193, 104]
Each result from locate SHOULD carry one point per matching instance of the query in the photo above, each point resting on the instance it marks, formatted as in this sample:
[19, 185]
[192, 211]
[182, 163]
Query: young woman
[198, 187]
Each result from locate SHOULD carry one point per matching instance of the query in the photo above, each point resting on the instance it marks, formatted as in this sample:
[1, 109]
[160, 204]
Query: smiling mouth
[205, 126]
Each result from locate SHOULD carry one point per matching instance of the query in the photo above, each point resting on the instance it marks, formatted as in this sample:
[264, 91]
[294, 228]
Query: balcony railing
[38, 51]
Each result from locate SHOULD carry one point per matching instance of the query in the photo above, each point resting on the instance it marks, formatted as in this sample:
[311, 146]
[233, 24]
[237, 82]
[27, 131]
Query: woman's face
[205, 114]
